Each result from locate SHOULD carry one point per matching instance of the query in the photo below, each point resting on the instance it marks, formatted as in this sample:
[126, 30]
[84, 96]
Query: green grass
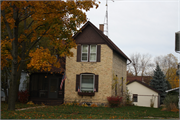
[79, 112]
[4, 106]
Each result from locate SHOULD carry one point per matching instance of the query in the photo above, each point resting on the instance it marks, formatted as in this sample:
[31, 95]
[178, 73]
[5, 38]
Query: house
[142, 94]
[89, 73]
[22, 85]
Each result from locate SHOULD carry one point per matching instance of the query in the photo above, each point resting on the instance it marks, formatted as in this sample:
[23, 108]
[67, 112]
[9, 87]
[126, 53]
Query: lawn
[80, 112]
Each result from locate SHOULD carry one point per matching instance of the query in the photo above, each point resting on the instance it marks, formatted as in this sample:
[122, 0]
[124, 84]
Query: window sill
[86, 94]
[89, 61]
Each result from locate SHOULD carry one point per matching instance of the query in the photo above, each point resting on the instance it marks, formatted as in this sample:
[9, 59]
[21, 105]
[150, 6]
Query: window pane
[135, 97]
[84, 56]
[93, 57]
[93, 48]
[84, 48]
[87, 83]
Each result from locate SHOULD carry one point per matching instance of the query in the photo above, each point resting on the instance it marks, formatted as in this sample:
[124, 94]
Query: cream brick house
[90, 71]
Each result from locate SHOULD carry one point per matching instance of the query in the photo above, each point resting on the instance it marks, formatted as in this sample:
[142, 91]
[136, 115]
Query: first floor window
[135, 97]
[87, 82]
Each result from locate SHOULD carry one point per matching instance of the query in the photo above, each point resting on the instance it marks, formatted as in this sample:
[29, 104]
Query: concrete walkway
[29, 108]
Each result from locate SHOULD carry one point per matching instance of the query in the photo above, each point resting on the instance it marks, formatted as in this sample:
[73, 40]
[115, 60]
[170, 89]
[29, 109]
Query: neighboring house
[23, 81]
[22, 84]
[90, 71]
[142, 94]
[174, 90]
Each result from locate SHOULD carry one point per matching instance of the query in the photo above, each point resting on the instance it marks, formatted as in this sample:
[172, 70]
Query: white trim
[92, 52]
[81, 80]
[172, 89]
[84, 52]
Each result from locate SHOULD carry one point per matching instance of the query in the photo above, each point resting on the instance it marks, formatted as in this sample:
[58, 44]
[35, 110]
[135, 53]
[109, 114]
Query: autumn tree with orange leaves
[33, 32]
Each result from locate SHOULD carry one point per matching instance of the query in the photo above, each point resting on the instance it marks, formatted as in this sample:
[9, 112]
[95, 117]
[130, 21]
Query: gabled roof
[144, 85]
[107, 40]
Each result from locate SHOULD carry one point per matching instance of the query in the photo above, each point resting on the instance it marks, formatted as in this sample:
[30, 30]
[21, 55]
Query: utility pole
[106, 19]
[177, 49]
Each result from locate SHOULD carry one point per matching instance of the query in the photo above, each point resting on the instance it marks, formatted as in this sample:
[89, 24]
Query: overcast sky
[140, 26]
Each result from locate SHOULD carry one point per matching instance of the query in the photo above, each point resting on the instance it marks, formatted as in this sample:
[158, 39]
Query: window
[84, 53]
[135, 97]
[93, 51]
[87, 82]
[89, 51]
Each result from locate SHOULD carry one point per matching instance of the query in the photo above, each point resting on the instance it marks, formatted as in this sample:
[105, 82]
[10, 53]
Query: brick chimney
[101, 27]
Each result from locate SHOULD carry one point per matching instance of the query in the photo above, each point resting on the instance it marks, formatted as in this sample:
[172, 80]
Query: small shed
[143, 95]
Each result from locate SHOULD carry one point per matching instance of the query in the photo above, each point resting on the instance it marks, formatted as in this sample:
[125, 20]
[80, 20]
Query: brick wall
[119, 69]
[103, 69]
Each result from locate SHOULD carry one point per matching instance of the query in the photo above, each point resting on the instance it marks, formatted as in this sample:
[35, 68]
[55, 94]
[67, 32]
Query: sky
[140, 26]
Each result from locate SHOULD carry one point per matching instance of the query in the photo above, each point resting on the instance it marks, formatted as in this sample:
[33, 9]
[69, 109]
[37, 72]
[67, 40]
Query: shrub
[84, 105]
[68, 103]
[23, 96]
[30, 103]
[128, 102]
[114, 101]
[171, 102]
[94, 105]
[75, 102]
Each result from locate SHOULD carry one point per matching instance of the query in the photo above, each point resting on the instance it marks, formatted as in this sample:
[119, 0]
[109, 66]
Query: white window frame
[92, 52]
[84, 52]
[81, 80]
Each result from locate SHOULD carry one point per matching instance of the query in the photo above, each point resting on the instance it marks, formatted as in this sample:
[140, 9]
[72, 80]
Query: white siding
[145, 94]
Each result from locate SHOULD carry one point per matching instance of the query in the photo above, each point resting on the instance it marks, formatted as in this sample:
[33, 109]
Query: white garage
[143, 95]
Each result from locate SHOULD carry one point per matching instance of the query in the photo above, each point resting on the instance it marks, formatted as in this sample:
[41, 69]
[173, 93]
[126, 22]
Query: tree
[140, 64]
[27, 24]
[172, 78]
[159, 82]
[169, 63]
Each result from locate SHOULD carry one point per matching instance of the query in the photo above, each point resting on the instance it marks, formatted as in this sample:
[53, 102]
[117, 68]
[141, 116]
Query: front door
[53, 87]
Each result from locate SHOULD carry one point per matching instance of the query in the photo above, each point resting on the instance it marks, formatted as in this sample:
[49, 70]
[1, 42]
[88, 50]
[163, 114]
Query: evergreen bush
[159, 83]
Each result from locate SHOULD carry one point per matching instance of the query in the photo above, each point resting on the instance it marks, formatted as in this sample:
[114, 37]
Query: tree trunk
[13, 79]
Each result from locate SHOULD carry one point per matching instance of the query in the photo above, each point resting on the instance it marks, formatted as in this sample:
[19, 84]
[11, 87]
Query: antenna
[106, 19]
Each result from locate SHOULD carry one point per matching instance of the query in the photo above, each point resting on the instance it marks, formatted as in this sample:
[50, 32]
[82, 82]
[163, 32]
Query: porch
[45, 88]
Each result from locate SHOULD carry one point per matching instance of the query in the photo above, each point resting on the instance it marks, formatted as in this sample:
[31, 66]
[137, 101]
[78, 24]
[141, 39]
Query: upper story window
[84, 53]
[93, 52]
[88, 53]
